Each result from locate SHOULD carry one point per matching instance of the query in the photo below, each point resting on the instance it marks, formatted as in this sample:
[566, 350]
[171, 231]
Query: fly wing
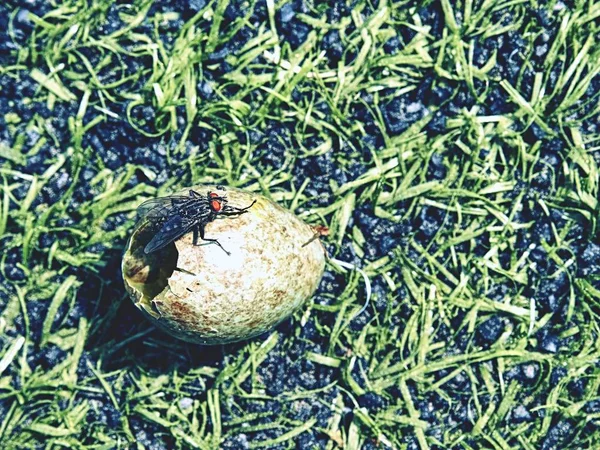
[159, 208]
[172, 229]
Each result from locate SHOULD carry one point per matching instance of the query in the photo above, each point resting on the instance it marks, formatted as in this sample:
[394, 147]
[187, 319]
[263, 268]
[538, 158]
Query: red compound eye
[215, 204]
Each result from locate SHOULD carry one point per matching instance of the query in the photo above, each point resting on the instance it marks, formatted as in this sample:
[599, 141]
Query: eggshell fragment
[201, 294]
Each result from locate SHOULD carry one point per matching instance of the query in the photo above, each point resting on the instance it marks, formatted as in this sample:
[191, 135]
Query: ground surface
[451, 147]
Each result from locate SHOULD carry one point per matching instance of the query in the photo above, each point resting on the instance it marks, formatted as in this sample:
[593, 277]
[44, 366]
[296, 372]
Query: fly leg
[233, 211]
[200, 230]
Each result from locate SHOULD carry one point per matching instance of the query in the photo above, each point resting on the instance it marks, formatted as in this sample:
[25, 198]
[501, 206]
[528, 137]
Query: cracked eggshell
[202, 295]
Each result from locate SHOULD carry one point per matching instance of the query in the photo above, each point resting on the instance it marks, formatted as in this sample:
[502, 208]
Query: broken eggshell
[201, 294]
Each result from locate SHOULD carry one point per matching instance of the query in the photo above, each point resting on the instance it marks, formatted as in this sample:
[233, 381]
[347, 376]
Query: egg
[252, 269]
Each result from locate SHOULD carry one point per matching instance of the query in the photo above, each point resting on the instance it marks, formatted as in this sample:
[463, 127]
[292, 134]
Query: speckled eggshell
[200, 294]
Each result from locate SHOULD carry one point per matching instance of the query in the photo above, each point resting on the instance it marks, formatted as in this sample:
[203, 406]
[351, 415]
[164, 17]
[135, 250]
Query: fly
[174, 216]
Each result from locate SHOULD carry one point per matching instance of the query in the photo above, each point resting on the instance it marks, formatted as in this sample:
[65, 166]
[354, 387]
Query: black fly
[176, 215]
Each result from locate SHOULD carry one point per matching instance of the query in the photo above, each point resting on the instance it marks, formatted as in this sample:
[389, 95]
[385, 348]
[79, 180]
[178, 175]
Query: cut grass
[485, 211]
